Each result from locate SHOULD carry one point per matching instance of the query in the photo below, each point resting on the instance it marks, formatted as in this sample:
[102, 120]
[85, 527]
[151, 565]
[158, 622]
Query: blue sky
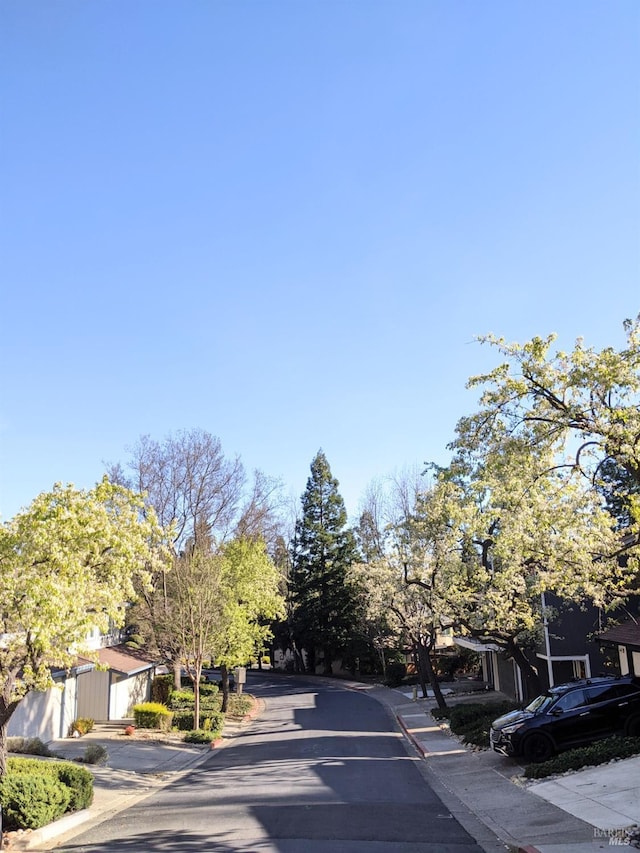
[285, 222]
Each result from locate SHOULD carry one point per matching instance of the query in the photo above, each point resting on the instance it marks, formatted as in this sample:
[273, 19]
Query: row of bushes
[173, 709]
[34, 793]
[472, 721]
[597, 753]
[153, 715]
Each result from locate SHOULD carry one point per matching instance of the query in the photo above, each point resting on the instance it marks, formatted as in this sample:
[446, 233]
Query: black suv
[570, 715]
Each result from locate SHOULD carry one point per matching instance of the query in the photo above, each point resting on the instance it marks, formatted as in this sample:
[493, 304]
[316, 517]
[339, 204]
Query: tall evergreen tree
[323, 601]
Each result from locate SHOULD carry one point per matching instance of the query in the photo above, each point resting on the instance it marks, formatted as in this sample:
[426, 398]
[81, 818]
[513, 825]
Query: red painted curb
[413, 740]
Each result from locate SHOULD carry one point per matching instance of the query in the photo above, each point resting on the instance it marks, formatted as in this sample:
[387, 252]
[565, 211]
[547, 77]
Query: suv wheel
[537, 747]
[632, 728]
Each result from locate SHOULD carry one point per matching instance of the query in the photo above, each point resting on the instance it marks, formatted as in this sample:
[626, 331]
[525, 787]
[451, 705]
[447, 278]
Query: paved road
[323, 770]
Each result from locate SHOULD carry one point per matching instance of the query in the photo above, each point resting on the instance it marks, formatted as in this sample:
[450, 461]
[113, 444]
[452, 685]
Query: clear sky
[284, 221]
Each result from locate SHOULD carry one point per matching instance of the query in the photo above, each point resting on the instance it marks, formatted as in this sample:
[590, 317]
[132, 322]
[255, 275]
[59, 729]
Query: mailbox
[240, 674]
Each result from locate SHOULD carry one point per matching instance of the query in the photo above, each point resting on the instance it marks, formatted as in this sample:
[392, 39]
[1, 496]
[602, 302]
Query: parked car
[569, 715]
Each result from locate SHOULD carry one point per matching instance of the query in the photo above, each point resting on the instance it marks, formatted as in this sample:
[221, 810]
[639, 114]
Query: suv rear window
[574, 699]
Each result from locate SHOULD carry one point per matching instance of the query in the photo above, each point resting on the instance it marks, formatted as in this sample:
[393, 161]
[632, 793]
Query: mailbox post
[240, 673]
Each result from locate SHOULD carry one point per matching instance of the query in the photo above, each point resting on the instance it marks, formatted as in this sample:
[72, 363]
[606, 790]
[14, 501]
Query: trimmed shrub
[181, 699]
[597, 753]
[31, 765]
[464, 715]
[31, 800]
[80, 784]
[152, 715]
[472, 721]
[441, 713]
[95, 754]
[200, 736]
[29, 746]
[82, 725]
[209, 720]
[78, 780]
[210, 700]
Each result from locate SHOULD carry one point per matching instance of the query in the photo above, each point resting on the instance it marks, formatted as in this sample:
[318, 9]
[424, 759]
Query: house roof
[475, 645]
[627, 634]
[124, 660]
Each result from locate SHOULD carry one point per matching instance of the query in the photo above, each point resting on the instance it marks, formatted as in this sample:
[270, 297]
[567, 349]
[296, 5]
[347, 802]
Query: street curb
[424, 752]
[31, 839]
[420, 748]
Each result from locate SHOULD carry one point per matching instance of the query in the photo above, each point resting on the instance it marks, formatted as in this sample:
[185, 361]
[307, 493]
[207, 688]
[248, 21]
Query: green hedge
[31, 800]
[80, 783]
[597, 753]
[78, 780]
[472, 720]
[199, 736]
[181, 699]
[152, 715]
[209, 720]
[471, 713]
[210, 699]
[35, 793]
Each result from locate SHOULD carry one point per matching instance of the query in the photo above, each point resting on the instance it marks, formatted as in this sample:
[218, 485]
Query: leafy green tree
[583, 406]
[404, 572]
[194, 612]
[68, 564]
[323, 549]
[544, 489]
[250, 599]
[517, 529]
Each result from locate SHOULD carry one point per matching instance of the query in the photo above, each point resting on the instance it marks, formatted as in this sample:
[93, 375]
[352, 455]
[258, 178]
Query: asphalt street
[324, 770]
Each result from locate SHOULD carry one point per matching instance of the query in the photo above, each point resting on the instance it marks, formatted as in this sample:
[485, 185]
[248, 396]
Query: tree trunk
[328, 662]
[425, 661]
[3, 749]
[298, 661]
[196, 696]
[224, 673]
[311, 660]
[421, 670]
[383, 661]
[177, 675]
[532, 684]
[6, 710]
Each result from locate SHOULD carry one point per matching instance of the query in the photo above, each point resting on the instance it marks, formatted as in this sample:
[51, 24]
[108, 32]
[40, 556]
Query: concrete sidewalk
[583, 811]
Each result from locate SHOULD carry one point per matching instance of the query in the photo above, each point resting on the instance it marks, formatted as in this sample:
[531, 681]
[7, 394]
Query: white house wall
[45, 715]
[127, 692]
